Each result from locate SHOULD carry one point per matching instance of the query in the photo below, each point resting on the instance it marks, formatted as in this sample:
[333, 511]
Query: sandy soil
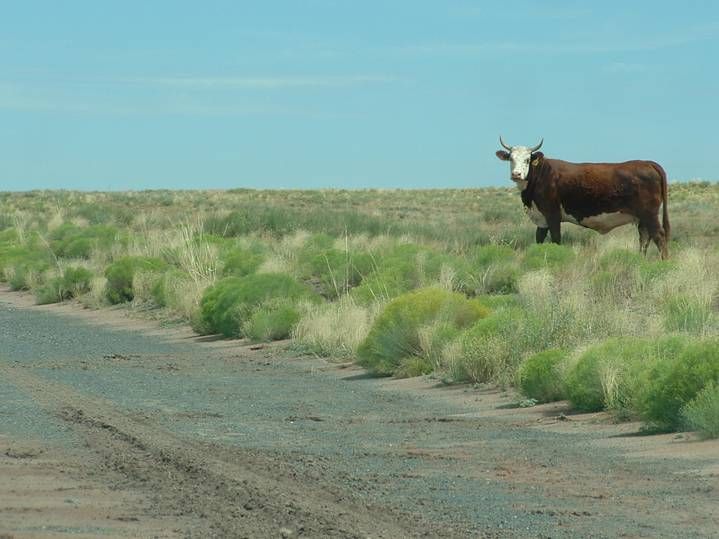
[46, 493]
[112, 426]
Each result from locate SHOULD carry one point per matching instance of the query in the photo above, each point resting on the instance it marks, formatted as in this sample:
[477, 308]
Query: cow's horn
[507, 146]
[535, 148]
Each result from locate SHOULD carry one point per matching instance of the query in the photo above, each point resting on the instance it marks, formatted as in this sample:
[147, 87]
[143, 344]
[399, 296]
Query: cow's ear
[504, 156]
[537, 159]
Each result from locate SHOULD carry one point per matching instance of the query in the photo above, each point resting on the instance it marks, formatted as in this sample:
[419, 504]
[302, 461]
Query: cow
[600, 196]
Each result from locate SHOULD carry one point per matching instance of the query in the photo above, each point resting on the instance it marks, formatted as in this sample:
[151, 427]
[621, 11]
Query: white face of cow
[520, 159]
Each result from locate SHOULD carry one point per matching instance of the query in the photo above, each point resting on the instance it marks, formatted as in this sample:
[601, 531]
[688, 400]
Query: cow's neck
[527, 196]
[527, 190]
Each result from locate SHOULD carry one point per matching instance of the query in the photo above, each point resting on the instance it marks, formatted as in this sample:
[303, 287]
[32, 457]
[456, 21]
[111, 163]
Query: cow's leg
[541, 234]
[656, 232]
[643, 238]
[555, 230]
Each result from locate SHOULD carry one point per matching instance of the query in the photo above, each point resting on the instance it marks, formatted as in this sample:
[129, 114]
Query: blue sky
[347, 94]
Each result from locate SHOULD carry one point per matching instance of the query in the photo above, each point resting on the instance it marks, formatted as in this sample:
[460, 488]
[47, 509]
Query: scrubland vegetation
[405, 283]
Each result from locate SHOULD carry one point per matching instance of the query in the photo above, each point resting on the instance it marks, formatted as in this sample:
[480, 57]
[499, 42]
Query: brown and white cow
[600, 196]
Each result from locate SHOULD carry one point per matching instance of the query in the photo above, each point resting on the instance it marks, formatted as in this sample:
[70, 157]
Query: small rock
[286, 532]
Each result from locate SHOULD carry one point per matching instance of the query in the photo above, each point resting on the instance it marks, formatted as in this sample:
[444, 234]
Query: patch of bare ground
[635, 492]
[625, 437]
[46, 492]
[223, 492]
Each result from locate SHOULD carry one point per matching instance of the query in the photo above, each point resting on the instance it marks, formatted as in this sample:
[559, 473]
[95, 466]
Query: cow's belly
[536, 216]
[604, 222]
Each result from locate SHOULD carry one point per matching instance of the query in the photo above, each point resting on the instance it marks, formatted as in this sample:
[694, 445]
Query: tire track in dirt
[230, 493]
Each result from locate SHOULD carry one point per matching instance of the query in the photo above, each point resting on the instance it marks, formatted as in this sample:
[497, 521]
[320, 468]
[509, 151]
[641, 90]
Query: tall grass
[335, 329]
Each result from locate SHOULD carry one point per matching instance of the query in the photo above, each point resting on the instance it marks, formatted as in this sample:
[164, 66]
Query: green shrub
[551, 255]
[584, 380]
[541, 376]
[28, 256]
[385, 282]
[332, 271]
[493, 349]
[93, 213]
[64, 231]
[78, 248]
[499, 279]
[484, 348]
[73, 282]
[487, 255]
[19, 278]
[239, 261]
[414, 366]
[384, 285]
[673, 384]
[25, 265]
[9, 254]
[50, 292]
[272, 321]
[70, 241]
[161, 289]
[396, 333]
[228, 304]
[404, 268]
[120, 274]
[702, 412]
[77, 280]
[612, 374]
[337, 271]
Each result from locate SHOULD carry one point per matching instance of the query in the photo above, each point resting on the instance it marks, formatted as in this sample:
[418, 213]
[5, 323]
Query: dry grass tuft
[334, 329]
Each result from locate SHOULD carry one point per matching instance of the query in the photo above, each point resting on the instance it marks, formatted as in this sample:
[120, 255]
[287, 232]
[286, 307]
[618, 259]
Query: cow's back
[588, 189]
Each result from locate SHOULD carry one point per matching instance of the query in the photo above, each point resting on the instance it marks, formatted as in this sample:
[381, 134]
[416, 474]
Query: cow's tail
[665, 210]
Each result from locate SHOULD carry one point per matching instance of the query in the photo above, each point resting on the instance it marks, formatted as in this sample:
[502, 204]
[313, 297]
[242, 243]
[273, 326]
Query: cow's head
[520, 158]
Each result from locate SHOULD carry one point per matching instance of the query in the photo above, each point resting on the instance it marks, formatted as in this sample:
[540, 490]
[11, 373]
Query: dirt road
[113, 431]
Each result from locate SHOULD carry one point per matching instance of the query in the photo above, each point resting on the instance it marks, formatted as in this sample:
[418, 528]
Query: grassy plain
[446, 282]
